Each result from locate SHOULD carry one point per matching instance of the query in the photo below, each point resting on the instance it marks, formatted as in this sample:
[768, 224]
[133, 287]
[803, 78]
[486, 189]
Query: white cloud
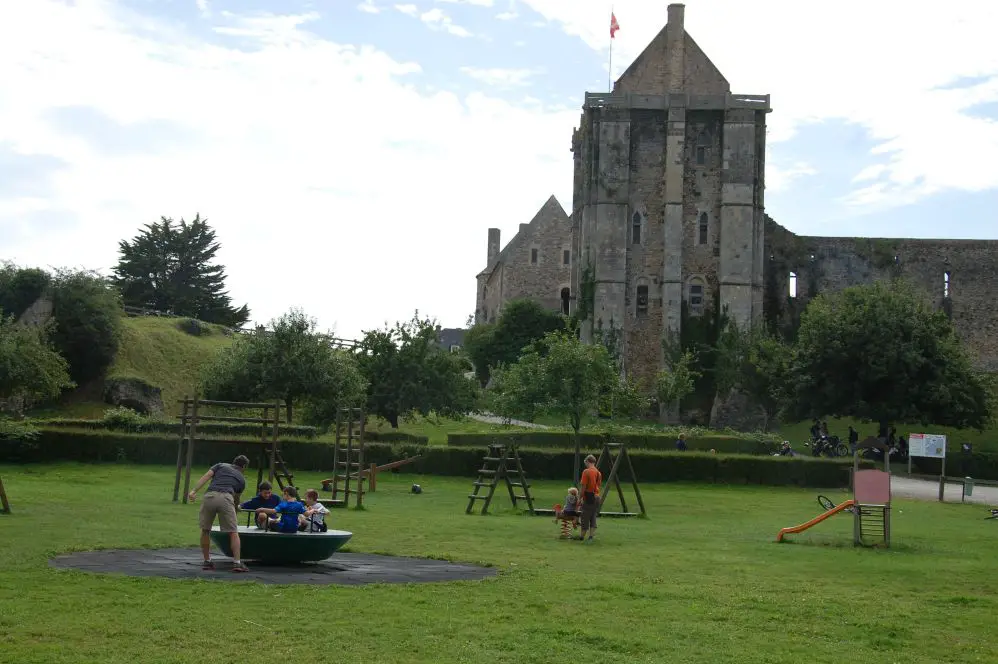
[477, 3]
[506, 16]
[408, 10]
[500, 77]
[779, 177]
[876, 64]
[333, 182]
[369, 7]
[438, 20]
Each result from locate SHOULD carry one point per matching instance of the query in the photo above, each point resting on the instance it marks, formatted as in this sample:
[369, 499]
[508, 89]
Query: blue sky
[353, 153]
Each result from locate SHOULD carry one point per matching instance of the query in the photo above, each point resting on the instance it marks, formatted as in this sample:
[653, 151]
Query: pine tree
[168, 267]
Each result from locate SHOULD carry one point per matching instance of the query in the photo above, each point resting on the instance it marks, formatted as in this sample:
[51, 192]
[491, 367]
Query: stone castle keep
[668, 221]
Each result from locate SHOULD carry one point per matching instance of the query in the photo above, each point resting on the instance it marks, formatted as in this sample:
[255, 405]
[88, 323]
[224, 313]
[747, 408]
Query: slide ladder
[871, 524]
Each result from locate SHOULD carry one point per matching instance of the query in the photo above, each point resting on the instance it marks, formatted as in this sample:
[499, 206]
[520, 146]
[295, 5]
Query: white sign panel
[927, 445]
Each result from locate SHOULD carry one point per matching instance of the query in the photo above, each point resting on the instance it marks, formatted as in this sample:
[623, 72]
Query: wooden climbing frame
[269, 443]
[4, 503]
[348, 459]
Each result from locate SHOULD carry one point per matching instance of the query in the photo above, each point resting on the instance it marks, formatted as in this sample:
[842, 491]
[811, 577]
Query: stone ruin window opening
[792, 292]
[636, 228]
[566, 298]
[946, 289]
[533, 257]
[566, 257]
[704, 227]
[703, 142]
[696, 296]
[641, 301]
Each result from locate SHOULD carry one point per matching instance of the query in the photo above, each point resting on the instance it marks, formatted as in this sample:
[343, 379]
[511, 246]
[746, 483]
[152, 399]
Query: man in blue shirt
[287, 512]
[264, 498]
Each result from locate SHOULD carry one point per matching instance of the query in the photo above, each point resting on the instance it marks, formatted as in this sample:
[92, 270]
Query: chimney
[675, 46]
[493, 244]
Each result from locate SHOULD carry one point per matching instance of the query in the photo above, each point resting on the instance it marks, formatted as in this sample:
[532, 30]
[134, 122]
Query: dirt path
[909, 487]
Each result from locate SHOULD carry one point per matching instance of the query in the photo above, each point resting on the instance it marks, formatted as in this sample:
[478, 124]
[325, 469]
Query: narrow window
[566, 257]
[701, 156]
[703, 142]
[636, 228]
[533, 257]
[703, 228]
[946, 284]
[566, 297]
[641, 308]
[793, 284]
[696, 297]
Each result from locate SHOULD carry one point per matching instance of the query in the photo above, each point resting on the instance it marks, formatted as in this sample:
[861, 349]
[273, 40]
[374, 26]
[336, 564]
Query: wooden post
[942, 478]
[372, 478]
[273, 442]
[193, 431]
[180, 450]
[4, 503]
[336, 454]
[261, 457]
[360, 458]
[349, 461]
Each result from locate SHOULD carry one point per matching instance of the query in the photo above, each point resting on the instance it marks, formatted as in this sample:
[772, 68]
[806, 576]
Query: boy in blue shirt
[286, 512]
[264, 498]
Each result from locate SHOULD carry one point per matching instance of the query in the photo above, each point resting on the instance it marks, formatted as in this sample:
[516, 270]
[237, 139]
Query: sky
[352, 154]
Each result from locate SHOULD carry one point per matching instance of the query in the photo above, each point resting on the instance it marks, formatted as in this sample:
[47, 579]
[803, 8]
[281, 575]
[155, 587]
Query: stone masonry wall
[839, 262]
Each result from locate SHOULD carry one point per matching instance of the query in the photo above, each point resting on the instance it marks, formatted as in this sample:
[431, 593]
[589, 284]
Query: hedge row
[223, 429]
[979, 465]
[723, 444]
[650, 466]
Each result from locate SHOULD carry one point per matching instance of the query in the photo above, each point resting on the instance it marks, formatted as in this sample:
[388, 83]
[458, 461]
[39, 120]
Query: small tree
[880, 353]
[521, 323]
[88, 322]
[757, 362]
[292, 362]
[407, 370]
[170, 267]
[29, 368]
[558, 375]
[677, 380]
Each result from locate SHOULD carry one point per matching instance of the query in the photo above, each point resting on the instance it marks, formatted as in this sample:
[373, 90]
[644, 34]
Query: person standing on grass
[227, 483]
[590, 483]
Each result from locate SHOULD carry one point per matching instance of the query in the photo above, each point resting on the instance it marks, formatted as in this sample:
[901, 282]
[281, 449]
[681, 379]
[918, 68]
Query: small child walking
[314, 518]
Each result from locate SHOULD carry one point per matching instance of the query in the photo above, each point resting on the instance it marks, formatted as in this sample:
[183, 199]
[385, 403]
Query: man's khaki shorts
[222, 505]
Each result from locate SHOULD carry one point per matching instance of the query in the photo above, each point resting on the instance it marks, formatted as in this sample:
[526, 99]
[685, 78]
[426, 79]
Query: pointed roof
[649, 73]
[550, 212]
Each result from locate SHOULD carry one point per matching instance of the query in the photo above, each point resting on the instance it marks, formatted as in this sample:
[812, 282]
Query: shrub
[120, 418]
[17, 430]
[194, 327]
[21, 287]
[725, 444]
[87, 312]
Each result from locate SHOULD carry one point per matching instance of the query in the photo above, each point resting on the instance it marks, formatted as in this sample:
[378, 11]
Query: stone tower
[667, 210]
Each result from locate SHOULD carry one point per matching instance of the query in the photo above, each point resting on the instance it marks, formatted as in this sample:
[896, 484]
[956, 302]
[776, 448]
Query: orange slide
[816, 520]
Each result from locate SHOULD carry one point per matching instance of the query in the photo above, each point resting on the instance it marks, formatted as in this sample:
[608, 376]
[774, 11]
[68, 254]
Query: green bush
[723, 444]
[87, 311]
[21, 287]
[19, 430]
[979, 465]
[149, 425]
[650, 466]
[194, 327]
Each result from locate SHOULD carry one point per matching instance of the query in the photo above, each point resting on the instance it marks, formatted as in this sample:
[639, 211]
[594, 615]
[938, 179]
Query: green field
[701, 580]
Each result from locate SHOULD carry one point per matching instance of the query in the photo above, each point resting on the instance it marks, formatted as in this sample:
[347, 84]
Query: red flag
[614, 26]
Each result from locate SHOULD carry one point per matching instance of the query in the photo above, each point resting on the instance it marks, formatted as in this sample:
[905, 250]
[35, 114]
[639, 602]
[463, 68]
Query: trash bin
[968, 486]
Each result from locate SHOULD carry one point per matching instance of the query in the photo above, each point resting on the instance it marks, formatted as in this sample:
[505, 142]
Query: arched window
[946, 284]
[704, 227]
[641, 301]
[793, 284]
[636, 228]
[695, 296]
[566, 298]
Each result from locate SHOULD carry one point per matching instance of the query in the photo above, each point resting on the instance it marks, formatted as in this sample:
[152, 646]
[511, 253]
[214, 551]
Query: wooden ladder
[4, 503]
[348, 458]
[497, 467]
[871, 521]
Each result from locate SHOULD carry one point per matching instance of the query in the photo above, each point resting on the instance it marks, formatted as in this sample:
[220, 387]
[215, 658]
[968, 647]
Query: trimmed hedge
[979, 465]
[396, 437]
[650, 466]
[724, 444]
[162, 426]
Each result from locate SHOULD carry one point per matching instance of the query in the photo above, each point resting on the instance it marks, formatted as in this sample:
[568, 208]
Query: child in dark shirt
[286, 512]
[264, 498]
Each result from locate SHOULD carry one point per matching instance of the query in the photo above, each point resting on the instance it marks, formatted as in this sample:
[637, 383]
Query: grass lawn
[701, 580]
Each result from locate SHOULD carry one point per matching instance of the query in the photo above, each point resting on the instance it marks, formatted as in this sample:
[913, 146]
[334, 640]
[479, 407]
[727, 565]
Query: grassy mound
[157, 351]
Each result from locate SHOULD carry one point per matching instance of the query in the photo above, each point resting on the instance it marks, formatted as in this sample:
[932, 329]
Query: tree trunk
[393, 419]
[287, 409]
[578, 454]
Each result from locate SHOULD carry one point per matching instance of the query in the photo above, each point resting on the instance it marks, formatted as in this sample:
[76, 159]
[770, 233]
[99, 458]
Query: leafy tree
[87, 312]
[678, 380]
[559, 375]
[756, 361]
[169, 267]
[407, 370]
[20, 287]
[30, 368]
[880, 353]
[293, 363]
[521, 323]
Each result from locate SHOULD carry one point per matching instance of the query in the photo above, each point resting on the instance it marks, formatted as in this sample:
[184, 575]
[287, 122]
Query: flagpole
[609, 73]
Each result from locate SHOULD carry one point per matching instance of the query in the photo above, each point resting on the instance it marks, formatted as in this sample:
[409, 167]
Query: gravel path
[909, 487]
[489, 418]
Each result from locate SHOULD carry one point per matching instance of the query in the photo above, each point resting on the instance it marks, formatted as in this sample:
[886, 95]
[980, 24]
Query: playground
[700, 579]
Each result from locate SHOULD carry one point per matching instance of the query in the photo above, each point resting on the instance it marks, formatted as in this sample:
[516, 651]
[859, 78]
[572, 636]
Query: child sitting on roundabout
[284, 517]
[264, 498]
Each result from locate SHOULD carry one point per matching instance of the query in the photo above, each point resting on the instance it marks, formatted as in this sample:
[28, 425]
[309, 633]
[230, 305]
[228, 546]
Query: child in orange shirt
[590, 485]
